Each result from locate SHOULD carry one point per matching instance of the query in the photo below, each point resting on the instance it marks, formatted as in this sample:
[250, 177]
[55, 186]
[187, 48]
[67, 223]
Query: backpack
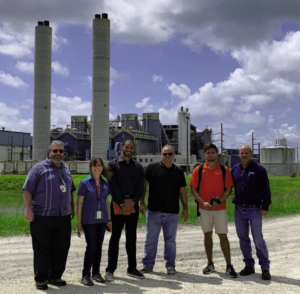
[199, 181]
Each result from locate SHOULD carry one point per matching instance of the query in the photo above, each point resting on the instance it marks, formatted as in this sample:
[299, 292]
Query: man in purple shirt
[252, 200]
[49, 204]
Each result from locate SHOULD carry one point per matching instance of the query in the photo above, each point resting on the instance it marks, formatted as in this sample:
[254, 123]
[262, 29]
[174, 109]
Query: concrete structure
[14, 145]
[279, 153]
[184, 132]
[281, 169]
[42, 90]
[100, 84]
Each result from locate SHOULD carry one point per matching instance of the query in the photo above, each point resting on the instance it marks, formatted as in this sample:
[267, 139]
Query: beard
[211, 160]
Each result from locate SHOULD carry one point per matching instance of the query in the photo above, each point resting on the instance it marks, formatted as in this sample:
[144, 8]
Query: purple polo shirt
[88, 190]
[43, 183]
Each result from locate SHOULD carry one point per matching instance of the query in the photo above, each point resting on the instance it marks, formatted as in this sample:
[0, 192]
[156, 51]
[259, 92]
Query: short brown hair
[211, 146]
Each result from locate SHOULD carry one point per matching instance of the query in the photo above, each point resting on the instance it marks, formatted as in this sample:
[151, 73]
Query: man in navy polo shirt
[49, 204]
[166, 186]
[252, 200]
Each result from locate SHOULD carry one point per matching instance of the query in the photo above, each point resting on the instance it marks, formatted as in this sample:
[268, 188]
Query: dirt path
[282, 236]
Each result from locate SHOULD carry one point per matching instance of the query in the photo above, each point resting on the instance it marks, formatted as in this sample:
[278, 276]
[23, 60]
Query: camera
[213, 200]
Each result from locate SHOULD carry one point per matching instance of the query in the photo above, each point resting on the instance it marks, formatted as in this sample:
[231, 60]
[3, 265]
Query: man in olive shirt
[166, 185]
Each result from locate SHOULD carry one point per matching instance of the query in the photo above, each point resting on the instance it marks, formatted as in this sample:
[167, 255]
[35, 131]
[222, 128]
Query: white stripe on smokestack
[42, 90]
[100, 103]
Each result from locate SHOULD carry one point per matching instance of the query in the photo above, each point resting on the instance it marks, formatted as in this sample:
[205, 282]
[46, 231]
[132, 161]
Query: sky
[235, 62]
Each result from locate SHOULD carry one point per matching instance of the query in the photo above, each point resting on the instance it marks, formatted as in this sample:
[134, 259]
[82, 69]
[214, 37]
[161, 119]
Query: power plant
[42, 90]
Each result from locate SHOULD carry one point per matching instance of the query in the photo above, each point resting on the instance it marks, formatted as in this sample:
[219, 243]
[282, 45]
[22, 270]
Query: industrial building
[14, 145]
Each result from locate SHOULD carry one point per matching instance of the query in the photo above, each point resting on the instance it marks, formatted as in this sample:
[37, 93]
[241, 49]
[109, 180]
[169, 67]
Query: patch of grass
[285, 200]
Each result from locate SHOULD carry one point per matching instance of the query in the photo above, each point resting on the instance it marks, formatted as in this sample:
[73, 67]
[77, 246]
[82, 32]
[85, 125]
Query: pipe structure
[42, 90]
[100, 86]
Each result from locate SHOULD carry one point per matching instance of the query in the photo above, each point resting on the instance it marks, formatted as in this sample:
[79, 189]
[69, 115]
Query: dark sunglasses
[167, 154]
[58, 150]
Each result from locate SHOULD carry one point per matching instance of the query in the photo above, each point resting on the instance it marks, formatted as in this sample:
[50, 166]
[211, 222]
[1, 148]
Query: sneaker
[146, 270]
[135, 274]
[266, 275]
[171, 270]
[86, 281]
[109, 277]
[248, 270]
[41, 285]
[57, 282]
[210, 268]
[230, 271]
[98, 278]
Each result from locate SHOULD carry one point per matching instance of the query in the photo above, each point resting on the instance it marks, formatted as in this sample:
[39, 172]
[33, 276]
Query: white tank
[100, 100]
[184, 132]
[42, 90]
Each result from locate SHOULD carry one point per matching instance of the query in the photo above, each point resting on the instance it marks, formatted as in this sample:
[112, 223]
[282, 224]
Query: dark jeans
[51, 239]
[118, 222]
[244, 219]
[94, 235]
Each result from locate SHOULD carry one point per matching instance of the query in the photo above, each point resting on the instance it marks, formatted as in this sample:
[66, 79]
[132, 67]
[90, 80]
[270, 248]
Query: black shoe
[136, 274]
[210, 268]
[57, 282]
[41, 285]
[248, 270]
[98, 278]
[146, 270]
[86, 281]
[230, 271]
[266, 275]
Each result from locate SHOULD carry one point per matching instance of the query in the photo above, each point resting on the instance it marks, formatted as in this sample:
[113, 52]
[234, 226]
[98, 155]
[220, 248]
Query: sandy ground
[281, 234]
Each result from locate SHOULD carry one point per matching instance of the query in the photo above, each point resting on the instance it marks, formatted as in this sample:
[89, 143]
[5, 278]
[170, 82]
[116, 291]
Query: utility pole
[297, 158]
[253, 145]
[187, 145]
[258, 146]
[221, 144]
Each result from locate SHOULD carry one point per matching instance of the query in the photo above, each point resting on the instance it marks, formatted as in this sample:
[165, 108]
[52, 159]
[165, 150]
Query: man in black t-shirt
[166, 185]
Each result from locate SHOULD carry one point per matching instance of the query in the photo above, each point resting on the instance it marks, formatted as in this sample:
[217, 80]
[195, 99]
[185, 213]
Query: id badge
[98, 214]
[63, 188]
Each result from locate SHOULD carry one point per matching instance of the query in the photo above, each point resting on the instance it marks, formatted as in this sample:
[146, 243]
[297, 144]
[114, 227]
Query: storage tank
[130, 120]
[279, 153]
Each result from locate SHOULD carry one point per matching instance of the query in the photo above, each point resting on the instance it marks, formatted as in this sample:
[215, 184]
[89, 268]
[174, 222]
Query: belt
[128, 196]
[248, 206]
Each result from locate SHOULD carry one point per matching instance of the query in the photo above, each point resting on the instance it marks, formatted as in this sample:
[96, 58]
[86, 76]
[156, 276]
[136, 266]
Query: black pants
[51, 239]
[118, 222]
[94, 235]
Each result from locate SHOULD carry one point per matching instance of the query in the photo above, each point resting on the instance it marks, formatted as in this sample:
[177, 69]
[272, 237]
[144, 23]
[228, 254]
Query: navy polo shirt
[251, 186]
[164, 187]
[88, 190]
[43, 182]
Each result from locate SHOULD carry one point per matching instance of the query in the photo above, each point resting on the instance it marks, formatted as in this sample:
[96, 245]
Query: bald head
[246, 147]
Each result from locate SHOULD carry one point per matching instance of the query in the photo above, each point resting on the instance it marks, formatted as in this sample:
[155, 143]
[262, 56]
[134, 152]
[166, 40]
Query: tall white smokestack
[42, 90]
[100, 102]
[184, 132]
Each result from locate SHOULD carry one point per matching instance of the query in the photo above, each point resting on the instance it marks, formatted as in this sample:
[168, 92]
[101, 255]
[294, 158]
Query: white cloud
[157, 78]
[145, 105]
[27, 67]
[8, 111]
[182, 91]
[9, 80]
[60, 69]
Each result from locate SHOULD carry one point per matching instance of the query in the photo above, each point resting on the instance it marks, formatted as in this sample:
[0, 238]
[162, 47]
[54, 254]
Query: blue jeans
[168, 222]
[251, 217]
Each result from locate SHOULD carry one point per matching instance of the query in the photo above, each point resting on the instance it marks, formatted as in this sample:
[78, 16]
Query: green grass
[285, 200]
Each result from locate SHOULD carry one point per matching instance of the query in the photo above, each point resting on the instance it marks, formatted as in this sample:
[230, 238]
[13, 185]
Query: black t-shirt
[164, 187]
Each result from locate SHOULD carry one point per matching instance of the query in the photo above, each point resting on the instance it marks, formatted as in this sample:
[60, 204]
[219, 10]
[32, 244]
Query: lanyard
[98, 190]
[61, 177]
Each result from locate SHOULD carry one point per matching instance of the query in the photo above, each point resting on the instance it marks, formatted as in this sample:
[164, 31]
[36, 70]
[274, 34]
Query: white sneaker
[109, 277]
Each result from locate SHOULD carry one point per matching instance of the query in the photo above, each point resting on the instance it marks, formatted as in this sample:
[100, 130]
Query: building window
[151, 159]
[141, 160]
[146, 160]
[174, 159]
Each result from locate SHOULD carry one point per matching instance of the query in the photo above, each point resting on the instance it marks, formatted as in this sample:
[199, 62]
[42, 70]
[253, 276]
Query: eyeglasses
[167, 154]
[58, 150]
